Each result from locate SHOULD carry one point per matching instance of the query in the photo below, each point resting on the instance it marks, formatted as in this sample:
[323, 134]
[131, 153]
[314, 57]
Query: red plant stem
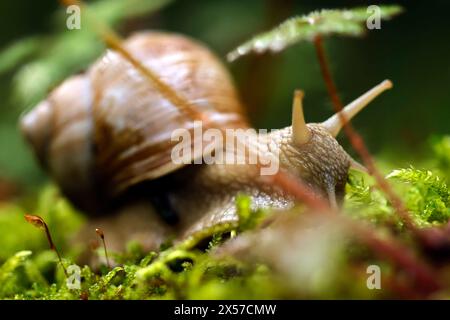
[106, 253]
[357, 141]
[53, 247]
[423, 275]
[101, 234]
[300, 191]
[391, 249]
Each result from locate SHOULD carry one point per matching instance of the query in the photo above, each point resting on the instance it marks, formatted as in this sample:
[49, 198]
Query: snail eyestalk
[102, 236]
[334, 124]
[40, 223]
[300, 132]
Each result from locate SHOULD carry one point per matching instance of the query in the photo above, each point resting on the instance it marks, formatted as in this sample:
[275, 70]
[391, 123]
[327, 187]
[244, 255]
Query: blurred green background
[412, 50]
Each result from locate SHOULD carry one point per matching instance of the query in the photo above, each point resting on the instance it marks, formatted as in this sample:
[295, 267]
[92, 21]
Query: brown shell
[60, 132]
[130, 121]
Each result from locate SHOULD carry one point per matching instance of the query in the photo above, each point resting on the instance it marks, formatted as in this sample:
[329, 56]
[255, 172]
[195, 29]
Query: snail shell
[108, 129]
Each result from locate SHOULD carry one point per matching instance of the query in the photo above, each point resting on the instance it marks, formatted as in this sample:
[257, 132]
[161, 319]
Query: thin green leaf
[15, 53]
[114, 11]
[12, 264]
[319, 23]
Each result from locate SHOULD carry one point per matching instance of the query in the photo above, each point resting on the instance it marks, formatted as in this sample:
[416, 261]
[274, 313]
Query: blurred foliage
[8, 275]
[350, 22]
[48, 64]
[441, 149]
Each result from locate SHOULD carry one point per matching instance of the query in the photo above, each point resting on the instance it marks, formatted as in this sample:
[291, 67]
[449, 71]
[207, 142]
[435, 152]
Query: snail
[107, 133]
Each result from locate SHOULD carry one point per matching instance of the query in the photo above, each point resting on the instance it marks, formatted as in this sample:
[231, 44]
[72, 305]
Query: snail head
[311, 150]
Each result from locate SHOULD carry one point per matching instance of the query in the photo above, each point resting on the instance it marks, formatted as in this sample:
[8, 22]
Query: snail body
[109, 130]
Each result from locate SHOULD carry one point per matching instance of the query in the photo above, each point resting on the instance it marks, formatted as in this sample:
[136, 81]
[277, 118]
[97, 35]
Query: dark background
[412, 50]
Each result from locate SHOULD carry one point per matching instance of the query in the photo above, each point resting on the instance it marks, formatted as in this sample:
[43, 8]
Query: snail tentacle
[300, 132]
[334, 124]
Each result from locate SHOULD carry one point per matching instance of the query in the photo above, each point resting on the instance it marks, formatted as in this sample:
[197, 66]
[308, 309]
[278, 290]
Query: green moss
[363, 200]
[427, 196]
